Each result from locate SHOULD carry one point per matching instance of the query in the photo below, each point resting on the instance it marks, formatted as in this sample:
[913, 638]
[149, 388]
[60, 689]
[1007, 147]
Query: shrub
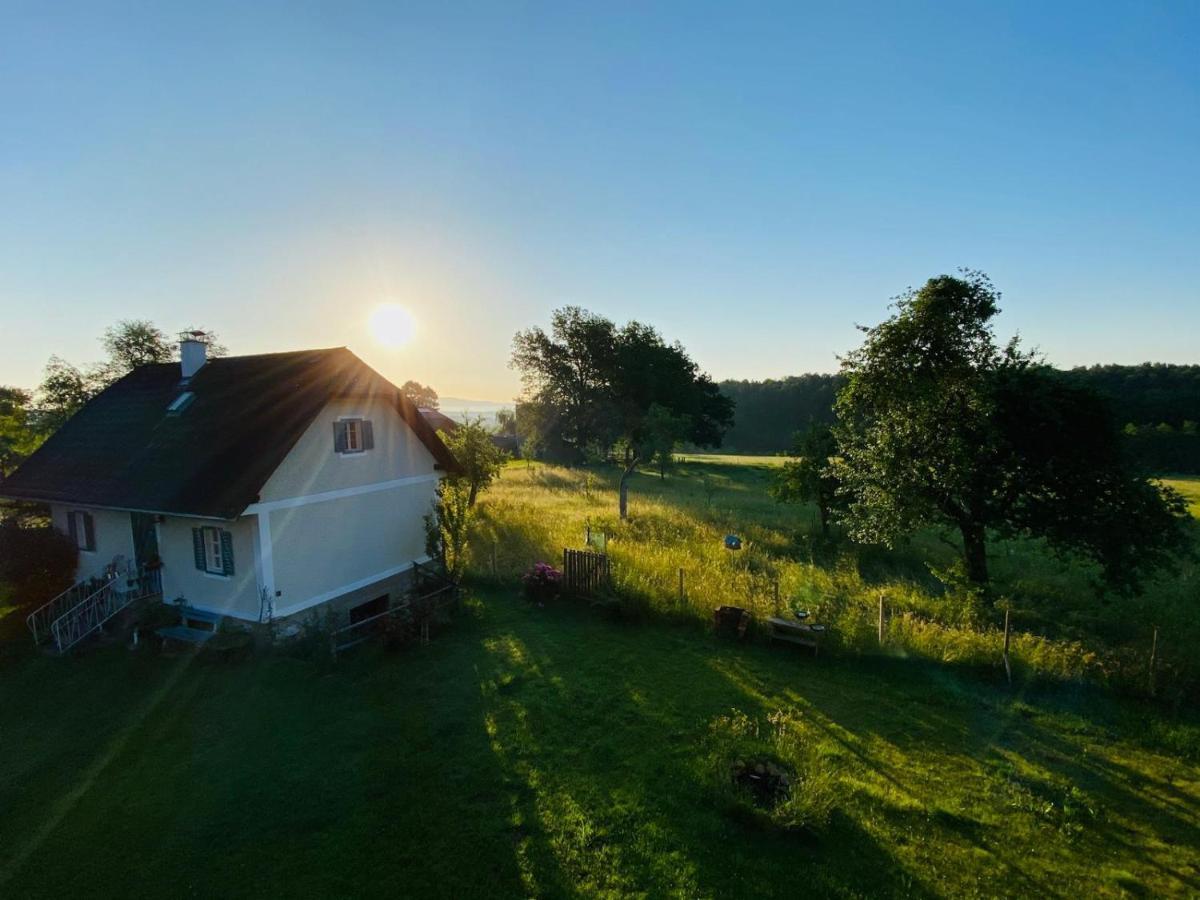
[802, 787]
[37, 561]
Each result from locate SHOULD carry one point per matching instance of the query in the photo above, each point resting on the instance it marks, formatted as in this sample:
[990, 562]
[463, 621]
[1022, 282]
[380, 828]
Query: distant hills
[459, 408]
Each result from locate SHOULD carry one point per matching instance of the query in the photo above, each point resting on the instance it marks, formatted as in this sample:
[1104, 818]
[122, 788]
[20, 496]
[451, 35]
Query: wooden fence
[584, 572]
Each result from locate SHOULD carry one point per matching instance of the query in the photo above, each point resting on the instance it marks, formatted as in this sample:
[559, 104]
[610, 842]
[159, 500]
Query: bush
[772, 774]
[37, 561]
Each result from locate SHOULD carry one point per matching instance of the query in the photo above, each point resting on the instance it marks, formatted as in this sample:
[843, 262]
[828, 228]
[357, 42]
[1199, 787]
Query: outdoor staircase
[81, 609]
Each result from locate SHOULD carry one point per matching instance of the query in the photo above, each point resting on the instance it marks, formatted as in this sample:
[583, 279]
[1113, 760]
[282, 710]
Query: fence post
[881, 618]
[681, 595]
[1153, 659]
[1007, 632]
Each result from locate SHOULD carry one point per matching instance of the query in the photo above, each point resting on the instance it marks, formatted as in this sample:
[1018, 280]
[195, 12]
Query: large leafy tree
[808, 477]
[939, 425]
[421, 395]
[595, 386]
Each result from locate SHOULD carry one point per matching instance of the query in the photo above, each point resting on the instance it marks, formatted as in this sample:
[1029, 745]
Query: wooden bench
[796, 633]
[195, 627]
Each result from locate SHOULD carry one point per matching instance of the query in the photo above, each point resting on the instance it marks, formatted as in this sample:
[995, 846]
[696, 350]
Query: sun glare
[392, 325]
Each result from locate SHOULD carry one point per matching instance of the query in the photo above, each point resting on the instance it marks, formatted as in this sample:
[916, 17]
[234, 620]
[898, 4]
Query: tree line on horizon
[1157, 405]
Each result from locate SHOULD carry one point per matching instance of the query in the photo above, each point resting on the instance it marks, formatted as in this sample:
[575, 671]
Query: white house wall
[113, 534]
[325, 549]
[312, 466]
[235, 595]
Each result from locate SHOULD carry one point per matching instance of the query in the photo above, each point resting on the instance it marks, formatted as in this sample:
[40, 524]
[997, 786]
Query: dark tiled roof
[123, 450]
[437, 419]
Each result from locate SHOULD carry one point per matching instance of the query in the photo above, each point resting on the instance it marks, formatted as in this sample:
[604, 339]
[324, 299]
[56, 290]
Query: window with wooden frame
[352, 436]
[213, 548]
[82, 529]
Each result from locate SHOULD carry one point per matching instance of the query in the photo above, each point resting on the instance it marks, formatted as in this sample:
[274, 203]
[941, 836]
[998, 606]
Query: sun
[391, 325]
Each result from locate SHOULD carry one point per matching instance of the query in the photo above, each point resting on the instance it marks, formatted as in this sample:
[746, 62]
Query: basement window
[366, 610]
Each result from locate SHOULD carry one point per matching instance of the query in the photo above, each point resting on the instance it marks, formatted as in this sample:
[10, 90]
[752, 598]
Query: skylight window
[180, 403]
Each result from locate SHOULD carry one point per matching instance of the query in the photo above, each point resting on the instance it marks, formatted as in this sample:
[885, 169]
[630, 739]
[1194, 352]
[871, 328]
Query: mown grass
[1065, 625]
[547, 752]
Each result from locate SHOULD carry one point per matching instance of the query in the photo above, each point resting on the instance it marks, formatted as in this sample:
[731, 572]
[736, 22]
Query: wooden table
[796, 633]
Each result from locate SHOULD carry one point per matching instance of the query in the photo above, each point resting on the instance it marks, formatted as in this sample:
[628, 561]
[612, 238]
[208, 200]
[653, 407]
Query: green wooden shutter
[339, 437]
[227, 551]
[89, 531]
[198, 547]
[368, 435]
[72, 530]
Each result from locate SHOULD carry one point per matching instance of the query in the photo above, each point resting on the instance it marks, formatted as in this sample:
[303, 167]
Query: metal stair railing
[85, 617]
[40, 619]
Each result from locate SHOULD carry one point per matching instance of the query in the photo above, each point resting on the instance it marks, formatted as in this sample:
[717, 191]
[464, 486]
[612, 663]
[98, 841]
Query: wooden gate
[584, 572]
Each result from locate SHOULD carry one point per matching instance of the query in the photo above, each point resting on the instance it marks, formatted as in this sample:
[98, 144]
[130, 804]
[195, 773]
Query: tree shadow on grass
[1025, 768]
[605, 742]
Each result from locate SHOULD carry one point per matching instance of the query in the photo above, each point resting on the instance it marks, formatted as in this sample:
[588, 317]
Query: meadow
[550, 752]
[562, 751]
[1065, 626]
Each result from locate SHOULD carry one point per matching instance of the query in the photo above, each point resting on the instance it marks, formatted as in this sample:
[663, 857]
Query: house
[256, 485]
[438, 420]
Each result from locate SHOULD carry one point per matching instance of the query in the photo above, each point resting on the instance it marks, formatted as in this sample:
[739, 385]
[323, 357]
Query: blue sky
[752, 179]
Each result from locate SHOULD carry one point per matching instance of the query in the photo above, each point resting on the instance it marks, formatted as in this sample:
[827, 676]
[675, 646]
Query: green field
[1066, 628]
[546, 752]
[553, 752]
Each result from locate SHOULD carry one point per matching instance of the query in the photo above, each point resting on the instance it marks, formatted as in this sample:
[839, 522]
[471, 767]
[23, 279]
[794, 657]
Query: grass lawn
[1189, 486]
[548, 752]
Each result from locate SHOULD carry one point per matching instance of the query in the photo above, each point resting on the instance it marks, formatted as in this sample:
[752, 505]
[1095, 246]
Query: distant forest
[1157, 404]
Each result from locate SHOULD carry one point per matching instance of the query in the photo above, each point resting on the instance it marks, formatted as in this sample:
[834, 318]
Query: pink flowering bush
[542, 581]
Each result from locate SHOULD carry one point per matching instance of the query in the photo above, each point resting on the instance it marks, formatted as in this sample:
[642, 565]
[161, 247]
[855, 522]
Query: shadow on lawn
[601, 749]
[1071, 787]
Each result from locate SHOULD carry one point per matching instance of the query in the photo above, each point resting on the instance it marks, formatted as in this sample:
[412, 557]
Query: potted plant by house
[542, 582]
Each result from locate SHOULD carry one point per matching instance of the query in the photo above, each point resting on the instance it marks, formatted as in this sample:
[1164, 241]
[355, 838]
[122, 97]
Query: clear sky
[752, 179]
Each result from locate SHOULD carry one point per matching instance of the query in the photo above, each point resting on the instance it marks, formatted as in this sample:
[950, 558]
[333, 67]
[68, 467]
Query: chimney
[193, 352]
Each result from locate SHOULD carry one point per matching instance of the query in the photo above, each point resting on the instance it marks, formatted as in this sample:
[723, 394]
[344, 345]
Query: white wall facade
[231, 595]
[312, 467]
[113, 534]
[331, 524]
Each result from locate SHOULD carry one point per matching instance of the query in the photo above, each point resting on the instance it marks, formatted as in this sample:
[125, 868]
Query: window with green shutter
[213, 549]
[353, 436]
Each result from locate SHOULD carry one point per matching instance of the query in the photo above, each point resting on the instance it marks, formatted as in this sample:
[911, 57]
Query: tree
[664, 432]
[421, 395]
[808, 477]
[478, 455]
[567, 376]
[17, 437]
[63, 392]
[592, 386]
[506, 423]
[135, 342]
[447, 525]
[937, 425]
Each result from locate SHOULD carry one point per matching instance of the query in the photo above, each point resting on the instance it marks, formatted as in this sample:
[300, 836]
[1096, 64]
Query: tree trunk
[823, 509]
[623, 491]
[975, 551]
